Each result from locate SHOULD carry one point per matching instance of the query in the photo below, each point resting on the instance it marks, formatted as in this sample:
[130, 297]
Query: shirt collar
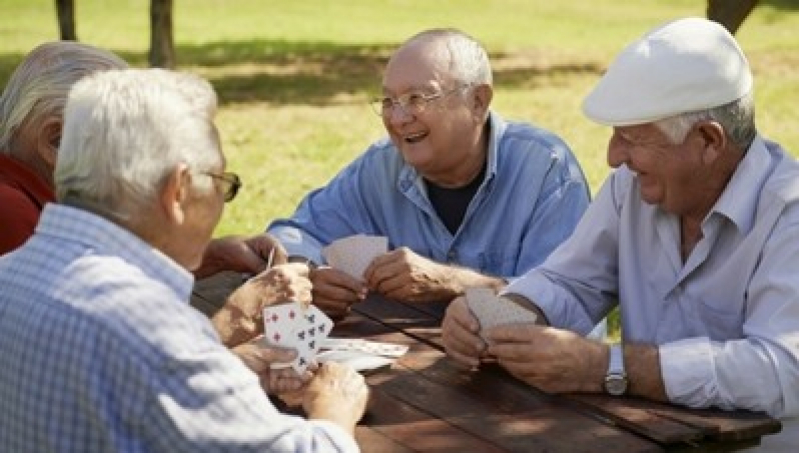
[497, 127]
[103, 237]
[739, 200]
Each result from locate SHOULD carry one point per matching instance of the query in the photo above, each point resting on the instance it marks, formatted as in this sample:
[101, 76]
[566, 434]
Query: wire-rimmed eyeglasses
[232, 183]
[413, 103]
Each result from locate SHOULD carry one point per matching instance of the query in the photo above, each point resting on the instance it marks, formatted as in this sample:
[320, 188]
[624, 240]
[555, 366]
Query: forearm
[460, 278]
[642, 363]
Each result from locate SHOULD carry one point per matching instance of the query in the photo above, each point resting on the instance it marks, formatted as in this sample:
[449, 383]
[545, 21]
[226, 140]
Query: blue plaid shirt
[101, 352]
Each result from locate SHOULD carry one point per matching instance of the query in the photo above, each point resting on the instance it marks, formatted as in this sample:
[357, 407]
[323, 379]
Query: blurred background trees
[162, 44]
[730, 13]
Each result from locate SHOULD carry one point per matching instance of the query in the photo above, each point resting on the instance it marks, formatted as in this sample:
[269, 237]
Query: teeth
[413, 137]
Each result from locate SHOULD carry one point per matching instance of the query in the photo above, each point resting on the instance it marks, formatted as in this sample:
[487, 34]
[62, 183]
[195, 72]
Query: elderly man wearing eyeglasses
[31, 117]
[101, 349]
[464, 197]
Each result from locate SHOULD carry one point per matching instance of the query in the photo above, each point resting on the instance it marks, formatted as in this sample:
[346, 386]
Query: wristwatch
[616, 378]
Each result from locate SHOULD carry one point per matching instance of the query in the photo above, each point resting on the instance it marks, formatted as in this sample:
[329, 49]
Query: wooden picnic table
[425, 403]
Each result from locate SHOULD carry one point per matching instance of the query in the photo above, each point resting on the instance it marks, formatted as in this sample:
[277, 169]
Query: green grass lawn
[294, 77]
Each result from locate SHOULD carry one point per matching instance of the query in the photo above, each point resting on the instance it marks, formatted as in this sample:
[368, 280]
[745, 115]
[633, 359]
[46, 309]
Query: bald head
[455, 56]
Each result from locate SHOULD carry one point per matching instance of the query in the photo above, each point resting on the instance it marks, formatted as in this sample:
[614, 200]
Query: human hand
[460, 334]
[258, 357]
[335, 291]
[404, 275]
[553, 360]
[241, 318]
[336, 393]
[239, 254]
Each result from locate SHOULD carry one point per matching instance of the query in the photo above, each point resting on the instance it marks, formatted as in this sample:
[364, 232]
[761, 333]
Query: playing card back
[491, 310]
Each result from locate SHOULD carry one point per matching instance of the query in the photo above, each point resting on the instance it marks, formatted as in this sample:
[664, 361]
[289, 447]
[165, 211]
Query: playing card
[353, 254]
[365, 346]
[491, 310]
[360, 361]
[280, 322]
[295, 326]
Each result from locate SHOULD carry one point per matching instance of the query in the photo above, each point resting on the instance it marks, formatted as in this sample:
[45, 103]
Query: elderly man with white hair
[695, 236]
[101, 350]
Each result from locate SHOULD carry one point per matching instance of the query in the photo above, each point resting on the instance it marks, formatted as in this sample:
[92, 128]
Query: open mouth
[415, 138]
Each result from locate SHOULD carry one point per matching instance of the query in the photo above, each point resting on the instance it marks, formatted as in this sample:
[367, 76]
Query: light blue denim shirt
[533, 194]
[727, 320]
[102, 352]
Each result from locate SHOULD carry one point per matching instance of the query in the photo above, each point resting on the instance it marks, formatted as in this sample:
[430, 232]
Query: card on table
[353, 254]
[363, 355]
[492, 310]
[294, 326]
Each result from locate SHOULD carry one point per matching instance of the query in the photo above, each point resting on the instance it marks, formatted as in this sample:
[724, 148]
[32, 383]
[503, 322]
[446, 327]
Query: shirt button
[452, 256]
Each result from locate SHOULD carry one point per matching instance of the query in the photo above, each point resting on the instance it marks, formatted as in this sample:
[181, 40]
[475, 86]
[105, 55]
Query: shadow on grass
[310, 73]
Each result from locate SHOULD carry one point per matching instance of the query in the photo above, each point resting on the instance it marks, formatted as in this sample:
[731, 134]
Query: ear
[48, 139]
[481, 99]
[714, 140]
[175, 193]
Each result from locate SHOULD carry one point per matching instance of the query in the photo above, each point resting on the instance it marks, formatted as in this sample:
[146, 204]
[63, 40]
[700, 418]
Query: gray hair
[468, 59]
[126, 130]
[737, 118]
[39, 86]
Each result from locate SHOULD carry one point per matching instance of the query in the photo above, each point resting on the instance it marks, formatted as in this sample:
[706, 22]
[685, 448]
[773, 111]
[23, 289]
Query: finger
[514, 333]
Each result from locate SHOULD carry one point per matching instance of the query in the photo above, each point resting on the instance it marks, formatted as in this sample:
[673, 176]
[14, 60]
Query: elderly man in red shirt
[31, 113]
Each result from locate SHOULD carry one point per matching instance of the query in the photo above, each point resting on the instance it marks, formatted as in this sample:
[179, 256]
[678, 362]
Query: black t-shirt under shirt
[451, 204]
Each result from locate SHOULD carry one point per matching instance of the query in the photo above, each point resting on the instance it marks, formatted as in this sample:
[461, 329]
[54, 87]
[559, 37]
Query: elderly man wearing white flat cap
[695, 235]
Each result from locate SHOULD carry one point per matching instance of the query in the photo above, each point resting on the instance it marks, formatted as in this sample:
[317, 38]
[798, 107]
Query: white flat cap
[683, 66]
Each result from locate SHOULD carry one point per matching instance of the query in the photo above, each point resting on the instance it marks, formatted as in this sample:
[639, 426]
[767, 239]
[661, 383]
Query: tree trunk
[730, 13]
[162, 46]
[65, 9]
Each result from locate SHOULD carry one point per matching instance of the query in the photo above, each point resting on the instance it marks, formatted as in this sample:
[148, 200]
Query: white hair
[468, 58]
[737, 118]
[39, 86]
[126, 130]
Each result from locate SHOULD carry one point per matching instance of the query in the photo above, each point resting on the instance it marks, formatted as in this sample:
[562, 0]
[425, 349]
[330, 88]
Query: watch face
[616, 384]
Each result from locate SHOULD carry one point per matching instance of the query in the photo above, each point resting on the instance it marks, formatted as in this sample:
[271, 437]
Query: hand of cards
[306, 329]
[293, 325]
[491, 310]
[353, 254]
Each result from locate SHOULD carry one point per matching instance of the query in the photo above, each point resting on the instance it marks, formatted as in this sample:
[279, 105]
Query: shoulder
[379, 160]
[530, 137]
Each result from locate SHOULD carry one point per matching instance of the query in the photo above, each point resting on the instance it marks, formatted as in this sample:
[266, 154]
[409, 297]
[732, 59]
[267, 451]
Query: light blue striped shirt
[727, 320]
[101, 352]
[533, 195]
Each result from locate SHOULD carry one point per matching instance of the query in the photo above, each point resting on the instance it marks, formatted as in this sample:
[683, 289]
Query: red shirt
[23, 195]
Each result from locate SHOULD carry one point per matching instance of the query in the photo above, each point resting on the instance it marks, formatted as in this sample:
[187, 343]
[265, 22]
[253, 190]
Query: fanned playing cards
[491, 310]
[353, 254]
[292, 325]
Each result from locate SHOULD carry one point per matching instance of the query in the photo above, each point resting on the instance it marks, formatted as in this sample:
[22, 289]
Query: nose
[398, 115]
[618, 152]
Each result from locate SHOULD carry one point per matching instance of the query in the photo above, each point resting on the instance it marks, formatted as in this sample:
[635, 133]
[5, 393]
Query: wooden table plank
[490, 405]
[667, 423]
[426, 403]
